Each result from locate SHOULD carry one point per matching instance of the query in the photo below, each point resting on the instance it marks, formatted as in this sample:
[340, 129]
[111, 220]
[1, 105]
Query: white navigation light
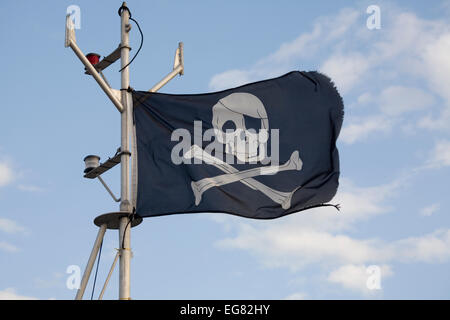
[91, 162]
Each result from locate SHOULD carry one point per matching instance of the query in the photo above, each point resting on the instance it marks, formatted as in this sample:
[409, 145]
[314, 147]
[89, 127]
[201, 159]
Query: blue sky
[394, 148]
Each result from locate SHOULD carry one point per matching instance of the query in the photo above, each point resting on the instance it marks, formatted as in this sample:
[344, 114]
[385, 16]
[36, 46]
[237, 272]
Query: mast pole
[125, 204]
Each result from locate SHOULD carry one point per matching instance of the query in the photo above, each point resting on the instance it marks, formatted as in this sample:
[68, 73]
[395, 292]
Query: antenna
[124, 219]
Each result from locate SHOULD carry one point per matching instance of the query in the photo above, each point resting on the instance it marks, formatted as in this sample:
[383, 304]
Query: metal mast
[125, 203]
[123, 220]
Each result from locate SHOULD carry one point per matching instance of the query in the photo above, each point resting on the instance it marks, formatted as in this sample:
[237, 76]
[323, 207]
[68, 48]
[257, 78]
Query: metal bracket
[179, 58]
[71, 42]
[70, 32]
[108, 60]
[112, 220]
[178, 68]
[105, 166]
[108, 189]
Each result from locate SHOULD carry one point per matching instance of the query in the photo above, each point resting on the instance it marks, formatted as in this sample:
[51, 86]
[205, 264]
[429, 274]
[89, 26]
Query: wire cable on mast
[96, 270]
[130, 219]
[121, 9]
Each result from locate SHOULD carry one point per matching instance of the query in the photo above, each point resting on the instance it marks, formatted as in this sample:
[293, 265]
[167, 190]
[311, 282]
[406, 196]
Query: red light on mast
[93, 58]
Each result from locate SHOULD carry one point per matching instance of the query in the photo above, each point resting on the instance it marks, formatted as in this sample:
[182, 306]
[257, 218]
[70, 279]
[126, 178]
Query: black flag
[262, 150]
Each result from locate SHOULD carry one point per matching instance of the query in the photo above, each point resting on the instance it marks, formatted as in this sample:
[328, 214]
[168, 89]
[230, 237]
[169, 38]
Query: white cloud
[431, 122]
[301, 239]
[292, 248]
[437, 71]
[405, 36]
[393, 102]
[29, 188]
[396, 100]
[407, 49]
[424, 57]
[364, 98]
[229, 79]
[297, 296]
[11, 294]
[297, 48]
[317, 237]
[360, 129]
[345, 69]
[355, 277]
[57, 280]
[326, 30]
[403, 73]
[292, 245]
[8, 247]
[359, 203]
[435, 57]
[10, 226]
[429, 210]
[6, 174]
[430, 248]
[440, 156]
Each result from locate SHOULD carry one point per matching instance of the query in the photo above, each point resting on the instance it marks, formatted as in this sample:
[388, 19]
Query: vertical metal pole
[90, 264]
[125, 205]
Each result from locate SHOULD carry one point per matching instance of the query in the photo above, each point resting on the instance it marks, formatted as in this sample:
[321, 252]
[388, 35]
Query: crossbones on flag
[261, 150]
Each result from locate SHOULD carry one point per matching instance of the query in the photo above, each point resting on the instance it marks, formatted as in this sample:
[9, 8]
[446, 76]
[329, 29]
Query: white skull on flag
[242, 142]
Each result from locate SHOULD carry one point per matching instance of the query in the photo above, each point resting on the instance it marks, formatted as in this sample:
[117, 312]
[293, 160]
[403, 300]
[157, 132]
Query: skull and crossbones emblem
[243, 144]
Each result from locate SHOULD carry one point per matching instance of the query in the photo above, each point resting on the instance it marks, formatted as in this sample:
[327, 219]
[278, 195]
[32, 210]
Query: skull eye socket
[252, 123]
[229, 126]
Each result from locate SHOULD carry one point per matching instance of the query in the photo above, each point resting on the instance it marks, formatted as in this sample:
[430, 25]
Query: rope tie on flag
[336, 206]
[129, 89]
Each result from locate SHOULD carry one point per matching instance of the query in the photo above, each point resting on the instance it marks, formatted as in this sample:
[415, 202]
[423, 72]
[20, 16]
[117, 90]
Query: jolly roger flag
[261, 150]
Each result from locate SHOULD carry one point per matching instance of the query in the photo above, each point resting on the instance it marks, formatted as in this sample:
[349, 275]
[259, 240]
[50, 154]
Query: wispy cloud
[397, 100]
[293, 246]
[56, 280]
[326, 30]
[355, 277]
[11, 294]
[7, 247]
[393, 102]
[30, 188]
[6, 174]
[430, 248]
[440, 155]
[380, 65]
[315, 237]
[11, 226]
[346, 69]
[430, 210]
[318, 237]
[401, 74]
[360, 128]
[297, 296]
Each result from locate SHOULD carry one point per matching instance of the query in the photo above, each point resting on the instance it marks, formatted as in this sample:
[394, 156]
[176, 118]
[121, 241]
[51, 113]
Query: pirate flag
[261, 150]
